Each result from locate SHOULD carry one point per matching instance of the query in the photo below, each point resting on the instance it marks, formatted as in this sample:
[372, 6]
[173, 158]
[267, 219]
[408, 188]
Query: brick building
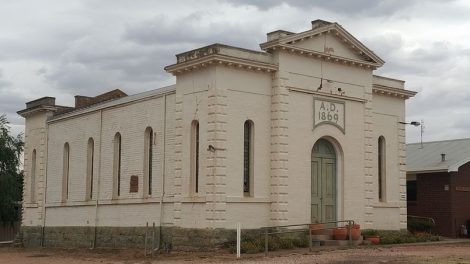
[299, 132]
[438, 183]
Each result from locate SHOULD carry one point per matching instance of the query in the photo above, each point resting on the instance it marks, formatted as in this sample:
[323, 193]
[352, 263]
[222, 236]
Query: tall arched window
[90, 169]
[195, 156]
[148, 158]
[65, 172]
[381, 168]
[248, 158]
[117, 166]
[33, 177]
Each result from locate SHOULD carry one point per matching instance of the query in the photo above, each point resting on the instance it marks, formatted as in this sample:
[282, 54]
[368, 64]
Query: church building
[299, 132]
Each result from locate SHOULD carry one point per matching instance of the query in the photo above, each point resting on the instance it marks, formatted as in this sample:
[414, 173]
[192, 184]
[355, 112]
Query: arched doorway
[323, 202]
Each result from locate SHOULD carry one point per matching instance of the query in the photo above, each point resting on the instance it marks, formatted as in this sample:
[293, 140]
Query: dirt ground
[430, 253]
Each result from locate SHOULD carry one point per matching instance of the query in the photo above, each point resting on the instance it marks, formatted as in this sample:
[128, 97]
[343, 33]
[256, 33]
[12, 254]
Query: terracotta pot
[340, 233]
[374, 239]
[356, 232]
[317, 229]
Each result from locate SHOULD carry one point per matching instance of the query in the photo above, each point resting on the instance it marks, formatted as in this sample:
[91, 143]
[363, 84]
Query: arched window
[33, 177]
[195, 156]
[117, 166]
[90, 169]
[381, 168]
[65, 172]
[148, 158]
[248, 156]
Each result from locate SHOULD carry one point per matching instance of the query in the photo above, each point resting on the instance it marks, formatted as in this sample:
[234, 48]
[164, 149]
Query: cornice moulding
[326, 56]
[218, 59]
[395, 92]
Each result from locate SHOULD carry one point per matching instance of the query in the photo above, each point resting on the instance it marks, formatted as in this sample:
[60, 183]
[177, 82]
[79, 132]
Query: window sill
[31, 205]
[194, 199]
[247, 199]
[111, 202]
[387, 205]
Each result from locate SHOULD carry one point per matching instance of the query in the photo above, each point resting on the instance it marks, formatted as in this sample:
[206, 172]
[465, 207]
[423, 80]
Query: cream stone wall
[35, 139]
[388, 112]
[130, 209]
[222, 87]
[248, 98]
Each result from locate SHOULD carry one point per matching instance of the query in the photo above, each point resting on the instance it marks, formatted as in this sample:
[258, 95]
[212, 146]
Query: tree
[11, 178]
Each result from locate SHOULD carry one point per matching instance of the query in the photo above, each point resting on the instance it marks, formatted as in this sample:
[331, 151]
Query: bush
[419, 225]
[404, 236]
[253, 242]
[370, 232]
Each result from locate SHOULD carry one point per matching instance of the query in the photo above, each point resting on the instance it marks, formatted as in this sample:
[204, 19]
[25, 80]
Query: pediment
[329, 44]
[328, 39]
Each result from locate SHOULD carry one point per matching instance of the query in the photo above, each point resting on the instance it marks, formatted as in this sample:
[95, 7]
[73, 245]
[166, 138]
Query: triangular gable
[328, 38]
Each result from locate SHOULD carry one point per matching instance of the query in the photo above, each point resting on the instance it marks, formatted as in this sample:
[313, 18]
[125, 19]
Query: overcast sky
[64, 48]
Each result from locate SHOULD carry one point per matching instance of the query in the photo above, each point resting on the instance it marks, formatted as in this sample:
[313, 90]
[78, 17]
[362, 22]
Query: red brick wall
[460, 199]
[433, 201]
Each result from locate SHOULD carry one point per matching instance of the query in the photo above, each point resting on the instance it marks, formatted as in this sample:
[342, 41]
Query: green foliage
[11, 179]
[404, 236]
[254, 242]
[370, 232]
[420, 225]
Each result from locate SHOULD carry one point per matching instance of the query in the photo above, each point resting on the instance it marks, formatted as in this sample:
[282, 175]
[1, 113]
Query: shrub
[253, 242]
[370, 232]
[404, 236]
[419, 225]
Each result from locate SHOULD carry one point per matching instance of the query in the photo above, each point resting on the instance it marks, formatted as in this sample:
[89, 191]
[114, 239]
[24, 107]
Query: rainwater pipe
[164, 175]
[99, 180]
[45, 187]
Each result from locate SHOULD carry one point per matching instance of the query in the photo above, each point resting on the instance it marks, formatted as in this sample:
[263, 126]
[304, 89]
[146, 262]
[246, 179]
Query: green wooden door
[323, 205]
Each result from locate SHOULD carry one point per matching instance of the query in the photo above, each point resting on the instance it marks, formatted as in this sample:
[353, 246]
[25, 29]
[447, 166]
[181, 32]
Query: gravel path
[431, 253]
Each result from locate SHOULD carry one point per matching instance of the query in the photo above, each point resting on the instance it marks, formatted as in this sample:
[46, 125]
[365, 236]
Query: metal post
[153, 238]
[145, 239]
[350, 223]
[266, 242]
[42, 236]
[310, 239]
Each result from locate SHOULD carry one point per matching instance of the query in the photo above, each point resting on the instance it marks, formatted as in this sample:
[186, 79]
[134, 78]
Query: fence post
[266, 241]
[350, 223]
[309, 239]
[145, 240]
[153, 238]
[239, 234]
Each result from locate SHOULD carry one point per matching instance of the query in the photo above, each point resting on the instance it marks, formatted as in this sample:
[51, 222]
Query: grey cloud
[190, 31]
[3, 83]
[370, 8]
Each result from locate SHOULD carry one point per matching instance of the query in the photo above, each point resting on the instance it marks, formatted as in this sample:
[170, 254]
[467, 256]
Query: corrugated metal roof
[428, 157]
[111, 103]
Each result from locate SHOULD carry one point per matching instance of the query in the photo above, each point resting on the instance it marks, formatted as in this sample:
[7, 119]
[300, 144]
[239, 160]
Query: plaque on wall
[134, 184]
[328, 112]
